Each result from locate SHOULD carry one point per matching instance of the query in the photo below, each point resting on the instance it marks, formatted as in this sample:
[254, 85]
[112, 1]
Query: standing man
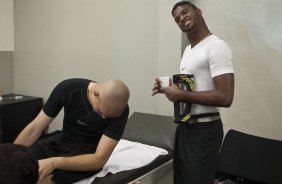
[95, 115]
[209, 59]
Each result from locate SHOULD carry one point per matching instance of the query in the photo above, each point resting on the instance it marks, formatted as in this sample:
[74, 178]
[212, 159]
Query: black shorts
[196, 152]
[52, 146]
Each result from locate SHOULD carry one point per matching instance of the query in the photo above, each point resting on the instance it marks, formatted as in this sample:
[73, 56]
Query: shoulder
[73, 82]
[217, 43]
[69, 85]
[217, 46]
[125, 113]
[124, 116]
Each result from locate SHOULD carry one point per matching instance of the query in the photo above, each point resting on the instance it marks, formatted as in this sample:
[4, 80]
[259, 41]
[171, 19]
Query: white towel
[127, 155]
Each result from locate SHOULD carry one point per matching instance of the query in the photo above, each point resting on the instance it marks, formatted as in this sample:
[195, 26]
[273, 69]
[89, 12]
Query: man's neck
[197, 36]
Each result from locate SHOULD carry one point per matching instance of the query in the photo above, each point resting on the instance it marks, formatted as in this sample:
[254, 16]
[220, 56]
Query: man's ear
[96, 93]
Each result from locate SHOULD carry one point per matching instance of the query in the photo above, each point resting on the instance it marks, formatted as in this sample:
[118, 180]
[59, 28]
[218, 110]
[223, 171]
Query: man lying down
[95, 115]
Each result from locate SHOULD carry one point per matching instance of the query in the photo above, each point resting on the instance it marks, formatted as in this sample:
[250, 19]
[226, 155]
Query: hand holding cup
[160, 84]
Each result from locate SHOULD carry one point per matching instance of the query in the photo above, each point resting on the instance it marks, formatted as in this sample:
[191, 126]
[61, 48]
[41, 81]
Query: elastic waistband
[201, 118]
[205, 115]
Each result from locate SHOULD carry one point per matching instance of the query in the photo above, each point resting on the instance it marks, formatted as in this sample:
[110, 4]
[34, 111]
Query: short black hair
[180, 3]
[17, 164]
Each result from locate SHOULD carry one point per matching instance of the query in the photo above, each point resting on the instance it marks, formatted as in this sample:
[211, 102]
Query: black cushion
[151, 129]
[251, 157]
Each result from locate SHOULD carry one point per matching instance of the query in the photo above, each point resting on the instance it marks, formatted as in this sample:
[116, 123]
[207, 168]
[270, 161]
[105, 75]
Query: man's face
[105, 110]
[186, 17]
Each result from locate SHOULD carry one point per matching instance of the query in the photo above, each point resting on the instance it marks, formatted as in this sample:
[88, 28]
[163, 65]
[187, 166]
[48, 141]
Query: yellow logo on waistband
[188, 116]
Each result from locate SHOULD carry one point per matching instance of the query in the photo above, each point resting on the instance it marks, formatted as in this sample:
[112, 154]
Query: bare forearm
[33, 130]
[208, 98]
[28, 136]
[86, 162]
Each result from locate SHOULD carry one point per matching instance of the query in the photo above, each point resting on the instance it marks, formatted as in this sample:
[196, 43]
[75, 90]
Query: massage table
[148, 129]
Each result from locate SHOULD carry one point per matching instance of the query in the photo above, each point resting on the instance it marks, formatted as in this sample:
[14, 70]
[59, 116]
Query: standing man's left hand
[173, 93]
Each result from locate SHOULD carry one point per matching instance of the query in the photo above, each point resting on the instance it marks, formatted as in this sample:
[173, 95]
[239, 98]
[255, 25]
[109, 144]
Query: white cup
[164, 81]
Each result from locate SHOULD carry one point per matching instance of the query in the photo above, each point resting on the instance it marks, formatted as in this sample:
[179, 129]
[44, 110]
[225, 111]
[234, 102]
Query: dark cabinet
[16, 111]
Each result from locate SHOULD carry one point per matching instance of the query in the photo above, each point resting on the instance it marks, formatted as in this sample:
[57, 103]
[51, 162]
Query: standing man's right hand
[157, 87]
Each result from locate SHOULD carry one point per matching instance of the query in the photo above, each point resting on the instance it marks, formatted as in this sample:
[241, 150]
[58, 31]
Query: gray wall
[253, 30]
[55, 40]
[6, 72]
[7, 25]
[137, 41]
[6, 47]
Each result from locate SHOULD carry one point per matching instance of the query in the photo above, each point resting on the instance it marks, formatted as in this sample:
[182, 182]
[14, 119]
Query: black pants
[196, 151]
[52, 146]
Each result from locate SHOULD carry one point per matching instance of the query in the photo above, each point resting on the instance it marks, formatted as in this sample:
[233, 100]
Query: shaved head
[115, 94]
